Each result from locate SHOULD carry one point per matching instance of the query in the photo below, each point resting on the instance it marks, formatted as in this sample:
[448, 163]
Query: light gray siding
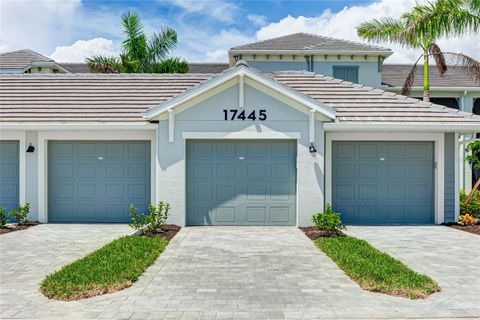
[368, 73]
[207, 117]
[449, 181]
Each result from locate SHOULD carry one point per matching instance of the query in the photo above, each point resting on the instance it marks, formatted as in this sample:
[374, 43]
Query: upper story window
[347, 73]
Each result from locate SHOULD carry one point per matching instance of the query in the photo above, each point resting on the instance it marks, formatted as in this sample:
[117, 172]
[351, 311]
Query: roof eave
[385, 53]
[410, 126]
[434, 88]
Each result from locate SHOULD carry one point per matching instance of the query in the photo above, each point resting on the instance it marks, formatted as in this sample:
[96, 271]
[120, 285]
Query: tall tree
[422, 28]
[140, 55]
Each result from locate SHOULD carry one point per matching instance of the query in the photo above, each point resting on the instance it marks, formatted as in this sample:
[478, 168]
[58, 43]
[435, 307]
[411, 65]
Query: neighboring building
[342, 59]
[28, 61]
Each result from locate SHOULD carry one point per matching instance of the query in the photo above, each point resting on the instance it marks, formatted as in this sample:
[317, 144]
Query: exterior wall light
[30, 148]
[312, 149]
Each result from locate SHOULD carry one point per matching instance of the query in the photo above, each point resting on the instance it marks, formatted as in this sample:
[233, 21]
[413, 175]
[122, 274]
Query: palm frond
[135, 45]
[407, 85]
[468, 64]
[102, 64]
[384, 29]
[439, 58]
[161, 43]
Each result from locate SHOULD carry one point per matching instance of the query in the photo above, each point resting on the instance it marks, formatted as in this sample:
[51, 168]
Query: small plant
[467, 220]
[328, 221]
[155, 219]
[21, 214]
[3, 217]
[473, 206]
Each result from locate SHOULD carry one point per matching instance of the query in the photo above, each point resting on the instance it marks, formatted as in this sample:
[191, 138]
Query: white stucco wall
[207, 117]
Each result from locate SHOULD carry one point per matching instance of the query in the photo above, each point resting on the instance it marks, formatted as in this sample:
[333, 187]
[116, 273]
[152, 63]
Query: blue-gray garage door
[92, 181]
[383, 182]
[9, 173]
[238, 182]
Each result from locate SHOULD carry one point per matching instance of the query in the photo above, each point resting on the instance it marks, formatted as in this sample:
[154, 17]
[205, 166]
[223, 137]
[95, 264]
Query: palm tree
[140, 55]
[422, 28]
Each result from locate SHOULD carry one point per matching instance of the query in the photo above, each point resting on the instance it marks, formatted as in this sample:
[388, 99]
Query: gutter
[385, 53]
[76, 126]
[459, 89]
[467, 128]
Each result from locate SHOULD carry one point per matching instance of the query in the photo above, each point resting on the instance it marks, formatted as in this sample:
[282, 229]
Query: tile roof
[306, 41]
[75, 67]
[21, 59]
[194, 67]
[360, 103]
[122, 97]
[394, 75]
[87, 97]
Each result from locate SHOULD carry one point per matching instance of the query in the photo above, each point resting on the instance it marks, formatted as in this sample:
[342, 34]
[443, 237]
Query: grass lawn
[111, 268]
[374, 270]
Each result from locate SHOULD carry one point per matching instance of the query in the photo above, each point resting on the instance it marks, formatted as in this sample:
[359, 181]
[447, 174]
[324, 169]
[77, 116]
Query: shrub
[467, 220]
[3, 217]
[21, 214]
[473, 207]
[328, 221]
[156, 218]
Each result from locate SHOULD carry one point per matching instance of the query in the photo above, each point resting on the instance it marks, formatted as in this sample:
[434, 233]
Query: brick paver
[242, 273]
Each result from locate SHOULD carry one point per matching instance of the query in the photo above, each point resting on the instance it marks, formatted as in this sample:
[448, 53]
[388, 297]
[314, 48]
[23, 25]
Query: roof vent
[241, 63]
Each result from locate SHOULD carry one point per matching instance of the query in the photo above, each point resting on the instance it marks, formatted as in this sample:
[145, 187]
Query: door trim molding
[247, 135]
[44, 137]
[439, 155]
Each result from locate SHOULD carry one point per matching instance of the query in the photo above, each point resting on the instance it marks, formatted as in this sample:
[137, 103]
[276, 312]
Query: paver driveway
[256, 273]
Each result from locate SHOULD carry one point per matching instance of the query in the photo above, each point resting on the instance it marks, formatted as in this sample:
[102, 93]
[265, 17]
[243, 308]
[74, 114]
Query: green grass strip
[111, 268]
[374, 270]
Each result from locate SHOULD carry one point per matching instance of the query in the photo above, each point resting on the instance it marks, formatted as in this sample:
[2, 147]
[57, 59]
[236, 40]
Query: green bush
[328, 220]
[473, 207]
[21, 214]
[3, 217]
[156, 218]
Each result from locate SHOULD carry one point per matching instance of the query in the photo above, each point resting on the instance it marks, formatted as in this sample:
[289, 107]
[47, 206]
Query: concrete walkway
[249, 273]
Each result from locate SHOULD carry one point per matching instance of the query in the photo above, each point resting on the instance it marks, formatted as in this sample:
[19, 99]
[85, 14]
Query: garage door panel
[261, 174]
[385, 188]
[100, 179]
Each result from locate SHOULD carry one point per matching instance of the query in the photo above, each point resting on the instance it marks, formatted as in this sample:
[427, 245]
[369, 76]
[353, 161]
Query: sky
[71, 30]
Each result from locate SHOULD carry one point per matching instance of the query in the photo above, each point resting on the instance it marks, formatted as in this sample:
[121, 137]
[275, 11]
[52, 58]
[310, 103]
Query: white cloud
[343, 24]
[256, 19]
[83, 49]
[217, 9]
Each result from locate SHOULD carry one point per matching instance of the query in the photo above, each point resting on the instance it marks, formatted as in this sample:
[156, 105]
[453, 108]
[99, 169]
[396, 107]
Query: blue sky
[70, 30]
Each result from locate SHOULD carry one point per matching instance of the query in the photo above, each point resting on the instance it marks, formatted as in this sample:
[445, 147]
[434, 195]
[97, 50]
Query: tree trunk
[426, 81]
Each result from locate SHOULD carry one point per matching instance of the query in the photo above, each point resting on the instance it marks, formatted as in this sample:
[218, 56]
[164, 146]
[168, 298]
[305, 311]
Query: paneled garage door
[92, 181]
[238, 182]
[9, 173]
[383, 182]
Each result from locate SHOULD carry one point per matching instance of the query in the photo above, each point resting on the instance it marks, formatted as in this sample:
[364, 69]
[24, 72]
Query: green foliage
[111, 268]
[374, 270]
[422, 27]
[21, 214]
[328, 220]
[156, 218]
[3, 217]
[473, 156]
[472, 207]
[140, 54]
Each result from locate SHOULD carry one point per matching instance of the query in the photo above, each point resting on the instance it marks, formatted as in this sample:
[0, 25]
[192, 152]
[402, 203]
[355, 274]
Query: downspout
[307, 58]
[462, 100]
[311, 63]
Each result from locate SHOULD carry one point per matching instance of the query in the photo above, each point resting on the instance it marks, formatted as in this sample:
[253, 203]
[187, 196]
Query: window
[347, 73]
[447, 102]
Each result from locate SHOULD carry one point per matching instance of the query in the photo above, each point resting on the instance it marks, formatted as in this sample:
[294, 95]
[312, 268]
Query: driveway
[249, 273]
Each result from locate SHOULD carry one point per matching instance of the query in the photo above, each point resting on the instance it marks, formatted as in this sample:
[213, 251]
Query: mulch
[17, 227]
[313, 233]
[475, 229]
[167, 232]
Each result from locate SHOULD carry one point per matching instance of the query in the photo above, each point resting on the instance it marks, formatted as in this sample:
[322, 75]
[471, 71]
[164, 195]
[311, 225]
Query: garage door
[238, 182]
[9, 173]
[92, 181]
[383, 182]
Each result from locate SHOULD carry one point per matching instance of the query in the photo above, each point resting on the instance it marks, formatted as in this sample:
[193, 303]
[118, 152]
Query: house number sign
[235, 114]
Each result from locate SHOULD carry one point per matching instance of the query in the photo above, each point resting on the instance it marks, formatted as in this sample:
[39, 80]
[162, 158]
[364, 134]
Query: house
[240, 147]
[28, 61]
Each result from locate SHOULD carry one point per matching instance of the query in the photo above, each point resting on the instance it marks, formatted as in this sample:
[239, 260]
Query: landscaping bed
[113, 267]
[313, 233]
[475, 229]
[17, 227]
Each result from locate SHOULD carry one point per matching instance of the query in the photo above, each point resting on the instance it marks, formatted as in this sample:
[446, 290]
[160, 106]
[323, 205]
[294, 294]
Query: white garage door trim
[437, 138]
[243, 135]
[20, 137]
[44, 137]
